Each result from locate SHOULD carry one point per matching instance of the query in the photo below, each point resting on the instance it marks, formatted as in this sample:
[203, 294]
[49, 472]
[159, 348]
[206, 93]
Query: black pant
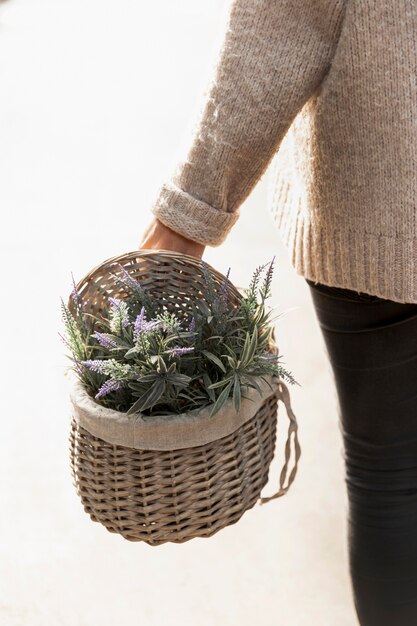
[372, 347]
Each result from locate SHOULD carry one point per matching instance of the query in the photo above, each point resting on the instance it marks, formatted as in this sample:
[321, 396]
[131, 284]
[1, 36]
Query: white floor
[96, 100]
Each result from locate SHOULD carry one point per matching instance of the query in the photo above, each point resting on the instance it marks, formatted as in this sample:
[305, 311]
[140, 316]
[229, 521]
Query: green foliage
[141, 357]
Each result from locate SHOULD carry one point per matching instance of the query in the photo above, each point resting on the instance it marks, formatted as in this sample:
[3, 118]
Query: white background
[97, 99]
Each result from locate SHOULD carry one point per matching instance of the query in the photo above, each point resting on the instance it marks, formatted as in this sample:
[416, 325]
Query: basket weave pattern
[159, 496]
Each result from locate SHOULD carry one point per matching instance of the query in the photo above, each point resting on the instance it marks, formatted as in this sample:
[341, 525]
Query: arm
[274, 56]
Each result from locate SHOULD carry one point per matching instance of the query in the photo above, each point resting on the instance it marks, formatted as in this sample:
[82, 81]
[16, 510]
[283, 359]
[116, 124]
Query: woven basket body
[159, 496]
[169, 495]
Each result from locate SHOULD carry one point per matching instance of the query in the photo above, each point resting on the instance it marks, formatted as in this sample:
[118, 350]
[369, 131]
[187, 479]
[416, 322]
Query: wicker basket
[131, 474]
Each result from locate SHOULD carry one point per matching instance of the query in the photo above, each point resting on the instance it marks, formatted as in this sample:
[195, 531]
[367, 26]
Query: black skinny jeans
[372, 348]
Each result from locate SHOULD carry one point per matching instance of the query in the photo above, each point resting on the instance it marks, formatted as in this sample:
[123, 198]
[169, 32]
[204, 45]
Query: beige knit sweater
[328, 88]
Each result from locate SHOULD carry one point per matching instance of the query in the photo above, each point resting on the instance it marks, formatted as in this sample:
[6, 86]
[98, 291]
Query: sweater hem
[350, 259]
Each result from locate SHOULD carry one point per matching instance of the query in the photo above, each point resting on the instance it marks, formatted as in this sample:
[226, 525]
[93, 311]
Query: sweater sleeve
[274, 55]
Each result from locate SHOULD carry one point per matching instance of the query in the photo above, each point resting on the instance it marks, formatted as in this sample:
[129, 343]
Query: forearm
[274, 56]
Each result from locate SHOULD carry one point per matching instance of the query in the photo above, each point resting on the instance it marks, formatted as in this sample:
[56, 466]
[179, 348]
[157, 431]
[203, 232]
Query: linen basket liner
[185, 430]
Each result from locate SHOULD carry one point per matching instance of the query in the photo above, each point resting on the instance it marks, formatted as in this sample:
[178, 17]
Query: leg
[372, 347]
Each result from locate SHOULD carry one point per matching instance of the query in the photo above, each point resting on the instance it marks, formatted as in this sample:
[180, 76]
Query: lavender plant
[141, 357]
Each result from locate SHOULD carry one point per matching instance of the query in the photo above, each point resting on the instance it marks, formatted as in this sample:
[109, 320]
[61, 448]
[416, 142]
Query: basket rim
[163, 253]
[165, 432]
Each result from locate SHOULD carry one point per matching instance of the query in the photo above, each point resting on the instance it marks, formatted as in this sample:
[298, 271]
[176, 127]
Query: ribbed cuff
[191, 217]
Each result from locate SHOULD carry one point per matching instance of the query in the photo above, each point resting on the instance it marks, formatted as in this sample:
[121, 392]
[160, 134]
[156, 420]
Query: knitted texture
[328, 88]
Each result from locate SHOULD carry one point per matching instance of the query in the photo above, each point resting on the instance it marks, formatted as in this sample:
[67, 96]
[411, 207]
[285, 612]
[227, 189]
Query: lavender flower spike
[120, 312]
[132, 282]
[191, 327]
[151, 325]
[180, 351]
[142, 326]
[104, 341]
[223, 287]
[65, 341]
[78, 366]
[114, 302]
[74, 293]
[139, 321]
[110, 385]
[95, 365]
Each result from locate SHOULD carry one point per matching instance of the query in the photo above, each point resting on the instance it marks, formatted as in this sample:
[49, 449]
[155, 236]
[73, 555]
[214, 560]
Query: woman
[332, 84]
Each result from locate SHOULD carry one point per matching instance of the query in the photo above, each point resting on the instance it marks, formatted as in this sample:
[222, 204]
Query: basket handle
[284, 395]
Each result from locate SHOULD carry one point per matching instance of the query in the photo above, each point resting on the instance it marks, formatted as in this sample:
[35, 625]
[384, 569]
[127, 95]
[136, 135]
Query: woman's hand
[159, 237]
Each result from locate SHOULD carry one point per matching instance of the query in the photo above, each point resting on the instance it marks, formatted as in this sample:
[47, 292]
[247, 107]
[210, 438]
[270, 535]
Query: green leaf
[135, 384]
[179, 380]
[229, 350]
[212, 357]
[254, 385]
[207, 383]
[203, 307]
[237, 394]
[161, 367]
[221, 383]
[253, 345]
[171, 369]
[221, 400]
[249, 349]
[149, 398]
[232, 362]
[131, 353]
[148, 378]
[245, 350]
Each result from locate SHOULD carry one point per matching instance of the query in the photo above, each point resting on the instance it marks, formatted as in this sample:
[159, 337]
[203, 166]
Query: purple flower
[223, 287]
[180, 351]
[191, 327]
[104, 341]
[78, 366]
[150, 326]
[110, 385]
[133, 284]
[139, 321]
[95, 365]
[142, 326]
[74, 293]
[65, 341]
[121, 310]
[115, 302]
